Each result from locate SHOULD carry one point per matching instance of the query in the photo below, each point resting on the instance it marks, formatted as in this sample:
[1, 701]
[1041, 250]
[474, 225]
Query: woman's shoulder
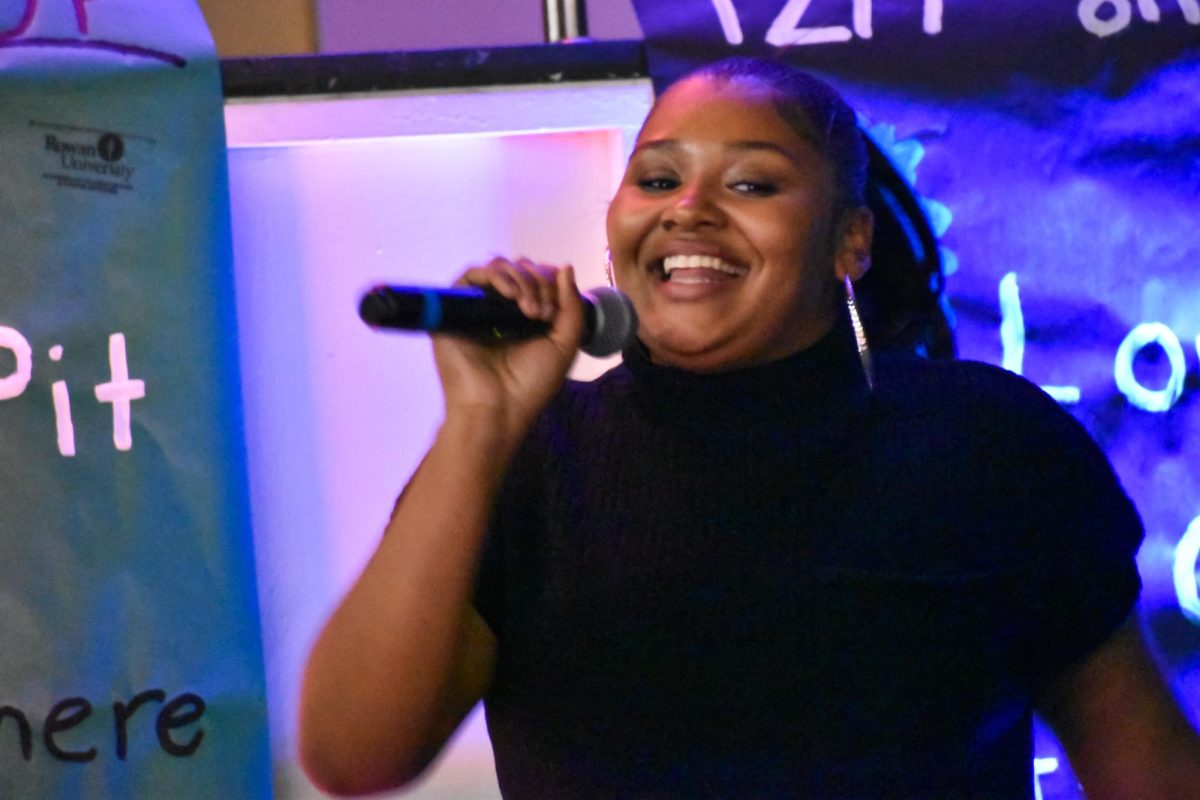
[961, 384]
[582, 405]
[977, 403]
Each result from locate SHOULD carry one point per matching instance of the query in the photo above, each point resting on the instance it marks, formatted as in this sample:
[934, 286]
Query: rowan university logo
[88, 158]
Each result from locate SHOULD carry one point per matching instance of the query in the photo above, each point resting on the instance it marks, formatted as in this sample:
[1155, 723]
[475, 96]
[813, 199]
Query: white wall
[328, 197]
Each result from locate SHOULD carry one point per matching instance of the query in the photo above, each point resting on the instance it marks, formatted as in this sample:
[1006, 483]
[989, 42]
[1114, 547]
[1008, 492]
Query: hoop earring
[860, 334]
[608, 268]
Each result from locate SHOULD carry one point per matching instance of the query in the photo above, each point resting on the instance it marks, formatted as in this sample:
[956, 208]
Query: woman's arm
[405, 656]
[1122, 728]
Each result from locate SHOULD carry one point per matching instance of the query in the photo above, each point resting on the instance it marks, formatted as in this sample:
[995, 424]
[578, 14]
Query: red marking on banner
[81, 18]
[22, 24]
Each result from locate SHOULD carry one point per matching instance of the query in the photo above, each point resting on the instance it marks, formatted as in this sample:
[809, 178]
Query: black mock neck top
[772, 582]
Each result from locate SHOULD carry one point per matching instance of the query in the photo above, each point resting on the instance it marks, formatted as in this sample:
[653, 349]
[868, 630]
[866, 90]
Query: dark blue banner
[930, 46]
[1055, 147]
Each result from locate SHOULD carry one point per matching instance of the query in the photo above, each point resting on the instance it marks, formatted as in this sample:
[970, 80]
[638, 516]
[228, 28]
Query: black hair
[901, 295]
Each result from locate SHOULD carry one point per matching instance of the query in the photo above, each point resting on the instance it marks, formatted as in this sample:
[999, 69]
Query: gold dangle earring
[860, 333]
[608, 268]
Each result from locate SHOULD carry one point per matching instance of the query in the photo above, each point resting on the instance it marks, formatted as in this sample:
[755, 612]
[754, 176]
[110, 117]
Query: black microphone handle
[610, 322]
[479, 314]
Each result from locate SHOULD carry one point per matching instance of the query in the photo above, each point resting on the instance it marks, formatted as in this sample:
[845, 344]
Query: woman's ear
[853, 257]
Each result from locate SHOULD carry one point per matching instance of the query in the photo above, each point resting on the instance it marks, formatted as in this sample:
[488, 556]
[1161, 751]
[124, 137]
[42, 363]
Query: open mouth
[698, 269]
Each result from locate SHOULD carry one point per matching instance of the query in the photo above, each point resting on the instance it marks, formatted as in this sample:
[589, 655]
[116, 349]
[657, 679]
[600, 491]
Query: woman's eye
[756, 188]
[659, 183]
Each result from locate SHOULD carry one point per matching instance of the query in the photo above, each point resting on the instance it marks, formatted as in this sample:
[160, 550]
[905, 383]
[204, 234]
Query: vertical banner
[131, 662]
[1055, 147]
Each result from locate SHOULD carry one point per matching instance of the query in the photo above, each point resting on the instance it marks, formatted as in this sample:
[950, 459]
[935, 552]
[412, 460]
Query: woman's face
[722, 231]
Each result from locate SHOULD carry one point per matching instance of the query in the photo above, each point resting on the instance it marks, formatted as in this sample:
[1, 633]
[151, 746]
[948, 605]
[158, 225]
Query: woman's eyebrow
[657, 144]
[752, 145]
[747, 145]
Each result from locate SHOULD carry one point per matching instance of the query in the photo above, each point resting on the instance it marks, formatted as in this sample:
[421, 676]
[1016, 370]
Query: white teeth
[671, 263]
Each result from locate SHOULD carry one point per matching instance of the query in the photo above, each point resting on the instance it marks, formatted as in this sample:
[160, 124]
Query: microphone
[485, 316]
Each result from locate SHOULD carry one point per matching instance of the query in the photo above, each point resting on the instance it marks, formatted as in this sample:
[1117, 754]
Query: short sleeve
[1086, 533]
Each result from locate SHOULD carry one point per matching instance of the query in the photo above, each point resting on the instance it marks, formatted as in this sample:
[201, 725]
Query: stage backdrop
[1056, 146]
[131, 661]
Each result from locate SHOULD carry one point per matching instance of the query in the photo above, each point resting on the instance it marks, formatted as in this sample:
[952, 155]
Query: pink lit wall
[366, 25]
[330, 196]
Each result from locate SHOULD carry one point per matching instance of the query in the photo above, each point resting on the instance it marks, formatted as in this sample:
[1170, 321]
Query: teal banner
[131, 662]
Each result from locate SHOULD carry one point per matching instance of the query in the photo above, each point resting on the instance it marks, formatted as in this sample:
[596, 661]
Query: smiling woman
[718, 173]
[740, 564]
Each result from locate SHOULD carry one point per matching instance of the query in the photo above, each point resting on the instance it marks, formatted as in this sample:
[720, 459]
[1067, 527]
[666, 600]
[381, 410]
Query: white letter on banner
[730, 25]
[1191, 11]
[933, 17]
[62, 409]
[62, 418]
[13, 385]
[1042, 766]
[783, 30]
[1012, 338]
[1089, 16]
[1012, 324]
[862, 19]
[1187, 554]
[1138, 395]
[119, 391]
[1149, 10]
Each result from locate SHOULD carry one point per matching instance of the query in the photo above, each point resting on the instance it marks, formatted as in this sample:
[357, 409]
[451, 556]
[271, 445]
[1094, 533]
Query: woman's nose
[692, 206]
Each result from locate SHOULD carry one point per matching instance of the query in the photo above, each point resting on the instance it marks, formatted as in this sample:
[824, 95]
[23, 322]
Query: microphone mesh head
[615, 326]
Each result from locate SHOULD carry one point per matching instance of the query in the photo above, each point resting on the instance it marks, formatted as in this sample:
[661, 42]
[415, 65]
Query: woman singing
[752, 561]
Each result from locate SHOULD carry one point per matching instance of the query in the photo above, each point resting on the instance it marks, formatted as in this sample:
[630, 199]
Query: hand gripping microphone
[485, 316]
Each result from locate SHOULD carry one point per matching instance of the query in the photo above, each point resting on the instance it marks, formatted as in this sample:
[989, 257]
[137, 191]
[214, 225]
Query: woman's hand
[509, 382]
[405, 655]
